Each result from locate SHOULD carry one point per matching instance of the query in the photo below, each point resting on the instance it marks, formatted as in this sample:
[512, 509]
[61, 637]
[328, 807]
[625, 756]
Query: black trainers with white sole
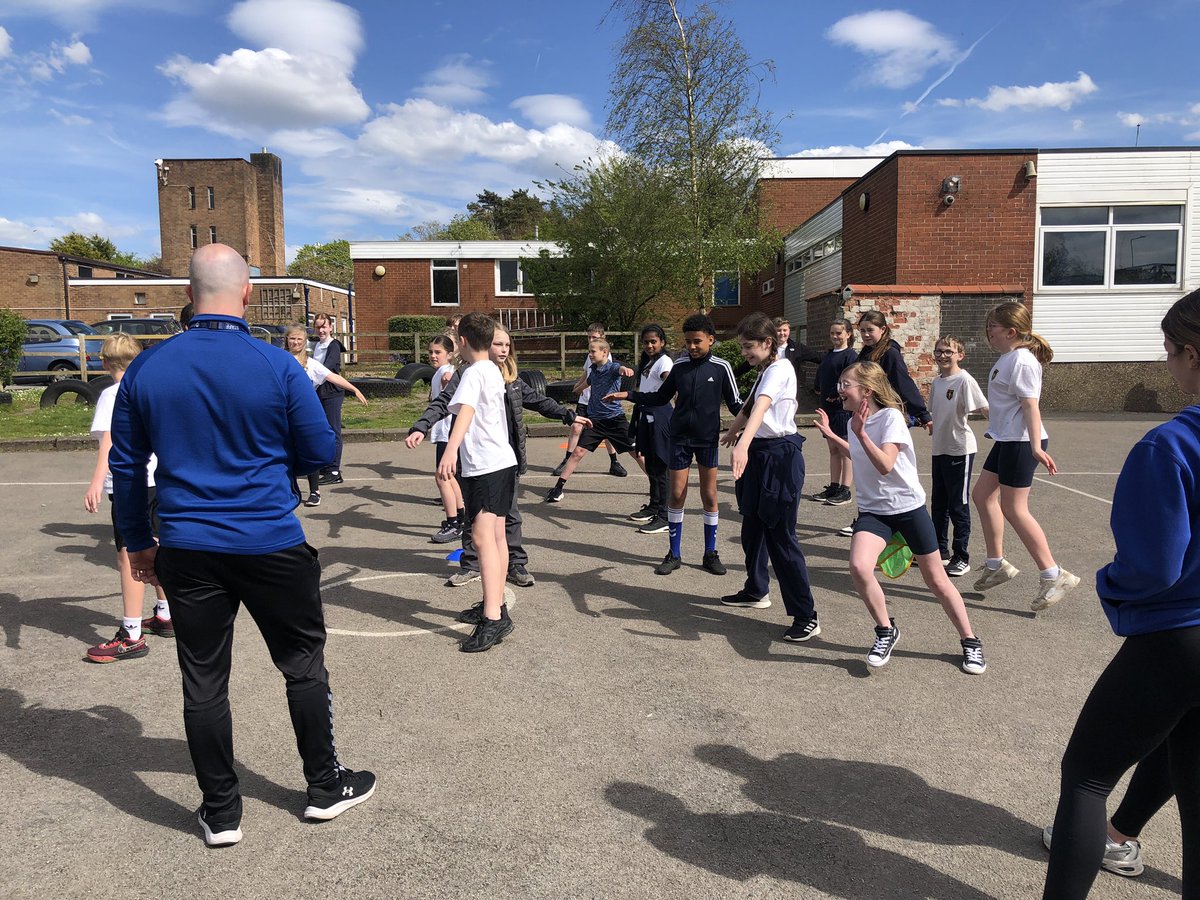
[219, 834]
[802, 630]
[885, 642]
[746, 601]
[350, 789]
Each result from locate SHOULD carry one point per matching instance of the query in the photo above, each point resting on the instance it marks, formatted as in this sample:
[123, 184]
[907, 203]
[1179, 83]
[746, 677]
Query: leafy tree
[426, 231]
[93, 246]
[328, 262]
[684, 100]
[12, 339]
[517, 217]
[465, 228]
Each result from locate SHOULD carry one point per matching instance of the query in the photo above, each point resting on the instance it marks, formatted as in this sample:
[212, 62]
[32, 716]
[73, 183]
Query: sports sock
[675, 529]
[162, 609]
[462, 515]
[1051, 573]
[133, 626]
[994, 564]
[612, 457]
[562, 483]
[710, 530]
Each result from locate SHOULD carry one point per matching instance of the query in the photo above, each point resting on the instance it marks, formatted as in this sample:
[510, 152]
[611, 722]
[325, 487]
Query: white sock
[1051, 573]
[133, 626]
[994, 564]
[163, 610]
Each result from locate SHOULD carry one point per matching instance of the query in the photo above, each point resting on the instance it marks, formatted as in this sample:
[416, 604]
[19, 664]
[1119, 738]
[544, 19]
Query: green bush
[731, 352]
[402, 328]
[12, 339]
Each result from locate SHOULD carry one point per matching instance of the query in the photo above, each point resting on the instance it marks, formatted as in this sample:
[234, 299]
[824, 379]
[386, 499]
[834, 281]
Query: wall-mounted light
[34, 278]
[1030, 170]
[380, 271]
[951, 184]
[864, 201]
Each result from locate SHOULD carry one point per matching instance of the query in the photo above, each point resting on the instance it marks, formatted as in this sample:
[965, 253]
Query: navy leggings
[1149, 696]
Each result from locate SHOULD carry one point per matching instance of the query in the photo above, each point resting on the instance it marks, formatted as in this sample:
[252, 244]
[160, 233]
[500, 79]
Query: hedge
[402, 328]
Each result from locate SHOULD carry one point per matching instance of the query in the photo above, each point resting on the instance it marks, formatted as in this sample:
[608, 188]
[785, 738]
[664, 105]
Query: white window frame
[1110, 231]
[119, 317]
[737, 283]
[167, 316]
[434, 267]
[521, 290]
[212, 234]
[212, 198]
[768, 285]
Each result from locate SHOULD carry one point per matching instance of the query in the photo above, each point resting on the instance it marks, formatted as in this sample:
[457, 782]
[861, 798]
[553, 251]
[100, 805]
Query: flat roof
[450, 249]
[818, 166]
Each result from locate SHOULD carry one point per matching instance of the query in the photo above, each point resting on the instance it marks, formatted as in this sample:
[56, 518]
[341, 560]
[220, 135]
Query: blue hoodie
[232, 420]
[1153, 583]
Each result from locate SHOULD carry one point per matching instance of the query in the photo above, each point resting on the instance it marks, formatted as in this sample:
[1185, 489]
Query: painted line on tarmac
[509, 598]
[1072, 490]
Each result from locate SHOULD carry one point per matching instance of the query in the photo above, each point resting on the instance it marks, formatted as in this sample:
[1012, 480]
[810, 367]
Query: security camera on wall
[948, 199]
[847, 293]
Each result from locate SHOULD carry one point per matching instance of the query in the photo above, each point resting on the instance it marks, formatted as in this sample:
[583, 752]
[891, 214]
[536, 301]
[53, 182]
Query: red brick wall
[789, 202]
[43, 300]
[869, 237]
[235, 213]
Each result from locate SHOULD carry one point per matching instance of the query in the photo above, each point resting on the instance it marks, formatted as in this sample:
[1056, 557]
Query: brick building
[38, 283]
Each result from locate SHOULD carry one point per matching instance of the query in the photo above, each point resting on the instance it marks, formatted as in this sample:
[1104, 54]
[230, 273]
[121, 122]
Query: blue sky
[390, 114]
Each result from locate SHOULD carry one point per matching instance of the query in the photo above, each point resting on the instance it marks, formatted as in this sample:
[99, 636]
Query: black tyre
[382, 388]
[68, 387]
[414, 372]
[98, 384]
[535, 379]
[561, 392]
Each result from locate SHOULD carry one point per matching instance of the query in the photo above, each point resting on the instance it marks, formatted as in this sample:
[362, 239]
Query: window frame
[736, 279]
[191, 197]
[522, 290]
[212, 198]
[212, 234]
[1110, 231]
[195, 236]
[433, 269]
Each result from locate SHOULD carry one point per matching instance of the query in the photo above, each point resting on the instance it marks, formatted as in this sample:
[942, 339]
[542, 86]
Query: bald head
[220, 281]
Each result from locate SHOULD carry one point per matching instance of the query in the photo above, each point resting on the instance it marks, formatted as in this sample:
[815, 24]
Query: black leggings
[1147, 697]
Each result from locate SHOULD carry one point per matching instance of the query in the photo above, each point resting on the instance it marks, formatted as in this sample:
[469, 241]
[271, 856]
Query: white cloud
[71, 120]
[21, 234]
[1077, 124]
[44, 66]
[902, 47]
[302, 27]
[83, 14]
[886, 148]
[1051, 94]
[5, 42]
[551, 109]
[1131, 120]
[76, 52]
[38, 233]
[458, 81]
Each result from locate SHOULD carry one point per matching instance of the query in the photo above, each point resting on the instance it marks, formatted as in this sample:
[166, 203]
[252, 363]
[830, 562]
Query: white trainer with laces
[991, 578]
[1051, 590]
[1120, 859]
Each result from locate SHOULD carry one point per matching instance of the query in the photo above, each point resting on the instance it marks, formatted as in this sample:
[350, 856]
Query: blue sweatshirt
[605, 379]
[893, 364]
[1153, 583]
[232, 420]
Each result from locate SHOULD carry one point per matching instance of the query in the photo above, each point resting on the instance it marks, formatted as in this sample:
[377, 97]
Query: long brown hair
[1014, 314]
[874, 354]
[758, 327]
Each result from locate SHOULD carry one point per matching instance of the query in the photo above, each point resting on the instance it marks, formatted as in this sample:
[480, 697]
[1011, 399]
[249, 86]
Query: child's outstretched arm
[91, 500]
[338, 381]
[882, 458]
[822, 423]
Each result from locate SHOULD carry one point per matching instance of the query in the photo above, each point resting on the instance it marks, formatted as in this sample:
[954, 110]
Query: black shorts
[1013, 462]
[439, 450]
[681, 457]
[581, 409]
[615, 430]
[839, 418]
[492, 492]
[152, 508]
[915, 525]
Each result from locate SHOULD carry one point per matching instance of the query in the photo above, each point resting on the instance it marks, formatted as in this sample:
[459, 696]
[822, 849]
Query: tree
[465, 228]
[12, 341]
[684, 100]
[94, 246]
[620, 246]
[517, 217]
[329, 263]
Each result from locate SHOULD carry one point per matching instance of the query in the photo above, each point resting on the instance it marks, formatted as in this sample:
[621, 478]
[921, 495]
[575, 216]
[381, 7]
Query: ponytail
[1015, 315]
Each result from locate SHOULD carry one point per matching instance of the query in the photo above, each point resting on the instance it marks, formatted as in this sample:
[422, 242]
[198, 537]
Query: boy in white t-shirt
[953, 396]
[488, 471]
[117, 353]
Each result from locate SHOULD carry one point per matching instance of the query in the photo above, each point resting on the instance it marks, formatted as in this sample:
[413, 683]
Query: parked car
[278, 332]
[138, 326]
[52, 345]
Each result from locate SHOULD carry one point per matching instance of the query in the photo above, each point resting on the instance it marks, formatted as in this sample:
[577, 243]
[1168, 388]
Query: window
[444, 273]
[85, 271]
[212, 199]
[725, 289]
[1111, 246]
[768, 285]
[191, 198]
[275, 304]
[814, 252]
[139, 299]
[510, 277]
[212, 234]
[193, 237]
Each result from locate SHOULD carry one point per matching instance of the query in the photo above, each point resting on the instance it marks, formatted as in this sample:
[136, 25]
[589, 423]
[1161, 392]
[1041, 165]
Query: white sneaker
[1120, 859]
[1051, 590]
[993, 577]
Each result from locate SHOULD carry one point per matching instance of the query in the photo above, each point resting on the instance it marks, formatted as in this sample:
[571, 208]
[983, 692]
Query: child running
[117, 352]
[441, 349]
[768, 471]
[699, 385]
[1002, 490]
[595, 332]
[953, 396]
[841, 354]
[652, 426]
[890, 499]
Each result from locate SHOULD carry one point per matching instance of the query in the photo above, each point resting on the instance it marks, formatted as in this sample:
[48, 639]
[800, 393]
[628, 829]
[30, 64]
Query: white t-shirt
[951, 400]
[485, 447]
[1017, 375]
[320, 349]
[440, 432]
[102, 422]
[653, 379]
[317, 373]
[778, 381]
[587, 391]
[900, 490]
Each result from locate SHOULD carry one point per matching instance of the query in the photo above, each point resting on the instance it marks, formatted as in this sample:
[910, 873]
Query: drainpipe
[66, 290]
[306, 320]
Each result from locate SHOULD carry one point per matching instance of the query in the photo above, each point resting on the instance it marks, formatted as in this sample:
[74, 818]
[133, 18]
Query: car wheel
[66, 388]
[60, 371]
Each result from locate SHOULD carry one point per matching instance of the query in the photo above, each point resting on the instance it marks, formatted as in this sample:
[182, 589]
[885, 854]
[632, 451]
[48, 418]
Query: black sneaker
[957, 567]
[331, 477]
[840, 496]
[657, 525]
[824, 493]
[847, 531]
[350, 789]
[555, 495]
[746, 601]
[802, 630]
[973, 663]
[519, 575]
[314, 499]
[645, 514]
[668, 565]
[447, 533]
[487, 634]
[712, 563]
[219, 834]
[474, 615]
[615, 468]
[558, 470]
[885, 642]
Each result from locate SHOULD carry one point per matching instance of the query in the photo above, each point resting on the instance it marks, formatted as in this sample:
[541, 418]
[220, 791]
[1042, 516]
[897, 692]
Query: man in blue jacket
[232, 419]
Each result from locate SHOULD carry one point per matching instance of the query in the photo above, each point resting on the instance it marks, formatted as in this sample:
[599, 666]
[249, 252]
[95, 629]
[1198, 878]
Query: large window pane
[725, 289]
[1070, 258]
[1146, 257]
[445, 287]
[1147, 215]
[1075, 215]
[510, 276]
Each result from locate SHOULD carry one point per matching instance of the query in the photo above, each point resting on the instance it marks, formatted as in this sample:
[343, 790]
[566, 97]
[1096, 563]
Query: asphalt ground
[632, 738]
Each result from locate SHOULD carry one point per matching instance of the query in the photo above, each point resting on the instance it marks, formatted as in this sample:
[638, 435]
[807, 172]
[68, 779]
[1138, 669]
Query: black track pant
[950, 501]
[281, 591]
[1149, 695]
[332, 405]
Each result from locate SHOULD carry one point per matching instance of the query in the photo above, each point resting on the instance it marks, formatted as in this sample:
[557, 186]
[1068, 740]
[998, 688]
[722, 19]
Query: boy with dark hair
[488, 471]
[595, 332]
[699, 384]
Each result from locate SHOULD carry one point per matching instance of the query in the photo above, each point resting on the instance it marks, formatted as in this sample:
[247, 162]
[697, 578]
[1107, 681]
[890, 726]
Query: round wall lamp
[864, 201]
[380, 271]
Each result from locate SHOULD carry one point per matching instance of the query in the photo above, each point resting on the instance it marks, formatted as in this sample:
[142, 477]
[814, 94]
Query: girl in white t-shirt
[768, 469]
[441, 349]
[652, 427]
[1002, 490]
[891, 499]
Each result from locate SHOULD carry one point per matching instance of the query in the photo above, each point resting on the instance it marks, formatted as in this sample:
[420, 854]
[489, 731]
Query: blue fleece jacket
[1153, 583]
[232, 420]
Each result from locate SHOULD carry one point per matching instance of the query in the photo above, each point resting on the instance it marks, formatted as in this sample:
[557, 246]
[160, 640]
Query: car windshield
[79, 328]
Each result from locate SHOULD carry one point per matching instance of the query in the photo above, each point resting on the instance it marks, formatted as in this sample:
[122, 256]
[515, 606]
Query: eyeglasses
[842, 385]
[946, 352]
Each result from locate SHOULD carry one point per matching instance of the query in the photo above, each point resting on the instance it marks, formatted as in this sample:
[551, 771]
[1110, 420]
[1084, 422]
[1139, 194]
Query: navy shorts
[152, 506]
[681, 457]
[439, 450]
[491, 492]
[839, 418]
[915, 525]
[1013, 462]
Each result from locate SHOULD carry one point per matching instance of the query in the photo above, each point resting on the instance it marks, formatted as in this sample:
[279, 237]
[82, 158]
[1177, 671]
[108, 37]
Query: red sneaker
[118, 649]
[164, 628]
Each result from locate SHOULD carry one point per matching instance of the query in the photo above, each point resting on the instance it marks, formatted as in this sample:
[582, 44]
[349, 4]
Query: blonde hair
[297, 329]
[872, 377]
[119, 349]
[599, 343]
[952, 342]
[509, 367]
[1014, 314]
